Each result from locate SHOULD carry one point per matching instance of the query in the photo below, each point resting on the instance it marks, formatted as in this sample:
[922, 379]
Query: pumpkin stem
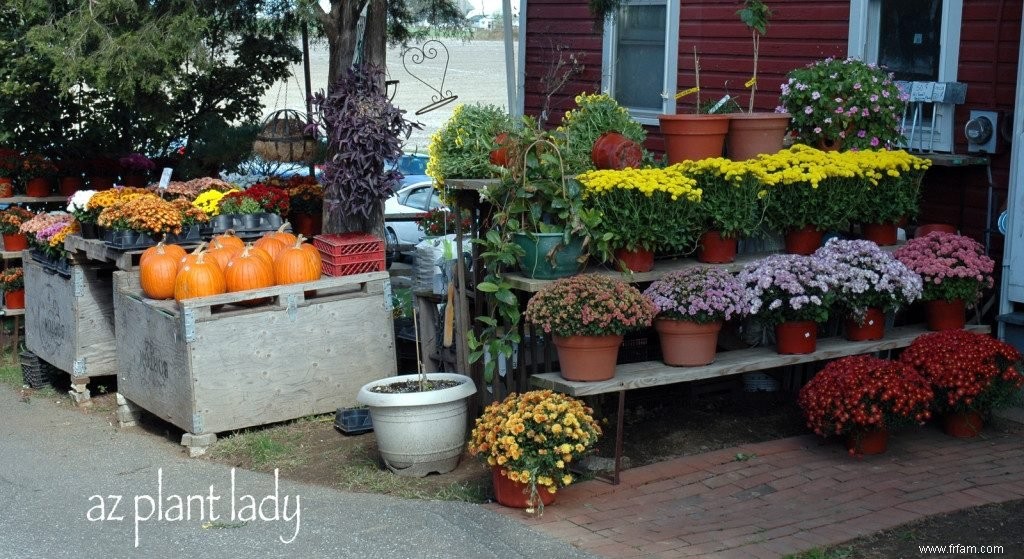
[284, 225]
[245, 250]
[298, 240]
[160, 246]
[199, 248]
[200, 254]
[229, 233]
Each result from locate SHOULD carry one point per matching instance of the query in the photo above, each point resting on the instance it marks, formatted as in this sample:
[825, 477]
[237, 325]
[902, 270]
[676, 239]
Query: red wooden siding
[801, 32]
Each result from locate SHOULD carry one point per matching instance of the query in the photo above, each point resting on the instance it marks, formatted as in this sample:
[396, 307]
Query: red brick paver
[793, 495]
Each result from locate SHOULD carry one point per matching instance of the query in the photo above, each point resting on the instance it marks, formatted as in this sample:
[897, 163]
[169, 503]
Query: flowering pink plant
[784, 287]
[867, 276]
[701, 294]
[845, 102]
[589, 305]
[951, 266]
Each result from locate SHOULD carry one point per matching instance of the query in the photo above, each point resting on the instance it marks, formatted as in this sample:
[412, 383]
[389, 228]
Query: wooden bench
[655, 373]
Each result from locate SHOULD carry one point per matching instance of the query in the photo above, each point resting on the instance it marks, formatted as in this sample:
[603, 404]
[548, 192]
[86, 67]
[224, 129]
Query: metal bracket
[293, 306]
[78, 367]
[197, 423]
[389, 304]
[78, 282]
[189, 318]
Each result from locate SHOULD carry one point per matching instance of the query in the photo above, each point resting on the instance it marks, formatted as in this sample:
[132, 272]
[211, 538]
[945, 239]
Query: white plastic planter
[420, 432]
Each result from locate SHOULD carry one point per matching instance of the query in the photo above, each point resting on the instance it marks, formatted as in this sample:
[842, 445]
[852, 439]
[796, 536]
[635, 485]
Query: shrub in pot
[729, 208]
[593, 117]
[462, 147]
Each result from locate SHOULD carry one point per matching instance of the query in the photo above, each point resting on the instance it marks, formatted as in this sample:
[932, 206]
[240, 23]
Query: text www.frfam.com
[960, 549]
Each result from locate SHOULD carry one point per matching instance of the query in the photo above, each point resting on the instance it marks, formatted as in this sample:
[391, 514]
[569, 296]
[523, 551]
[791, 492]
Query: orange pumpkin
[271, 245]
[199, 278]
[288, 238]
[222, 254]
[229, 239]
[174, 250]
[296, 264]
[158, 269]
[259, 253]
[248, 271]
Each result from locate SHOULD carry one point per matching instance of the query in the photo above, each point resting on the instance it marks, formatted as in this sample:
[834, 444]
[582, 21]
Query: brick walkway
[794, 495]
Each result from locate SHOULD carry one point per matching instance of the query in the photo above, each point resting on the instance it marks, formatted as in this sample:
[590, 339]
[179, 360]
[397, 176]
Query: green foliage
[755, 15]
[602, 10]
[462, 147]
[594, 115]
[892, 199]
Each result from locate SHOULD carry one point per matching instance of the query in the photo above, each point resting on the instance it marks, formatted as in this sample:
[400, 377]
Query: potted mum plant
[730, 207]
[861, 398]
[793, 293]
[462, 148]
[10, 165]
[955, 271]
[529, 441]
[807, 192]
[78, 206]
[11, 220]
[844, 104]
[691, 305]
[12, 281]
[599, 133]
[306, 197]
[39, 173]
[888, 193]
[971, 373]
[642, 212]
[869, 283]
[587, 315]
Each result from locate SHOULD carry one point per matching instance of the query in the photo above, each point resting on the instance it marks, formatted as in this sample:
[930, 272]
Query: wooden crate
[69, 322]
[209, 365]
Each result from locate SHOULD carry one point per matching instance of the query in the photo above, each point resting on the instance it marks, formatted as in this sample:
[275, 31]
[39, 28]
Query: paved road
[58, 468]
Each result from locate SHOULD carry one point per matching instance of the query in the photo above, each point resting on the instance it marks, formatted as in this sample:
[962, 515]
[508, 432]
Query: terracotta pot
[38, 187]
[963, 424]
[499, 155]
[715, 249]
[69, 185]
[307, 224]
[829, 144]
[14, 299]
[923, 230]
[796, 337]
[587, 358]
[751, 134]
[693, 137]
[687, 344]
[873, 327]
[612, 150]
[15, 242]
[6, 187]
[101, 183]
[134, 179]
[945, 315]
[803, 241]
[882, 234]
[515, 494]
[639, 260]
[867, 442]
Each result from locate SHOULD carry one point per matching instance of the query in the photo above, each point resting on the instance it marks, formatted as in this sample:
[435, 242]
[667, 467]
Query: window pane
[640, 65]
[908, 42]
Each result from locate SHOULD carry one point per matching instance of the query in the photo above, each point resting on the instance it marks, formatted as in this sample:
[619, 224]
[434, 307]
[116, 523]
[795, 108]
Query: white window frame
[864, 26]
[670, 70]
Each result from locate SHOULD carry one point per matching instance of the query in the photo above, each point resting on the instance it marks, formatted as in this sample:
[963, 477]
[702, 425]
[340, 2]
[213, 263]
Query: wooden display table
[655, 373]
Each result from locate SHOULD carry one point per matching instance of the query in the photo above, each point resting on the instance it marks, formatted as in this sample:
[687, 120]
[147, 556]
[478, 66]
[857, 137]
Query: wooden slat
[32, 199]
[661, 268]
[10, 255]
[12, 312]
[656, 373]
[470, 184]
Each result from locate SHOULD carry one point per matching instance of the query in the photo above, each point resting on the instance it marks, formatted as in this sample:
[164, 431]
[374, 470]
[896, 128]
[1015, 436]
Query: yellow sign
[750, 82]
[686, 92]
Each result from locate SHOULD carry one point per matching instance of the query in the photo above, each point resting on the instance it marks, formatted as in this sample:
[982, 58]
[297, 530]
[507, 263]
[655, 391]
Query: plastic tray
[336, 245]
[353, 421]
[35, 372]
[349, 269]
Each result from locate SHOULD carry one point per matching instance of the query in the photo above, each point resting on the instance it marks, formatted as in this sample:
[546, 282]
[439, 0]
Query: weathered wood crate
[210, 365]
[69, 322]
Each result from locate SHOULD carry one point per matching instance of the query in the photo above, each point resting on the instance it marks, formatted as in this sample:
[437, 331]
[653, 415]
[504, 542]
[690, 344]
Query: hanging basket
[283, 137]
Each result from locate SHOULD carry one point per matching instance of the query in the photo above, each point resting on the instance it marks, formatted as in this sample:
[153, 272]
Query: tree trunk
[375, 41]
[340, 28]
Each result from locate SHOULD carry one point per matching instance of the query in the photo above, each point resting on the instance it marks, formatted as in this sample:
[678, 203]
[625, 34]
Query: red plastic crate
[334, 245]
[336, 270]
[351, 258]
